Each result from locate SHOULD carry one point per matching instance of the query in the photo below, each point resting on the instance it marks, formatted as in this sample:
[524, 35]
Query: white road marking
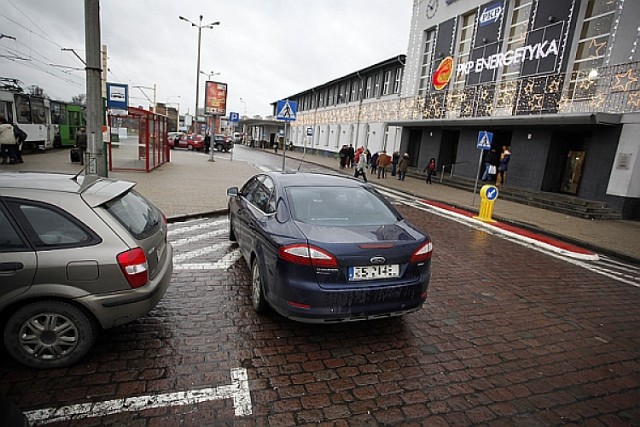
[181, 242]
[238, 390]
[198, 226]
[202, 251]
[225, 262]
[589, 264]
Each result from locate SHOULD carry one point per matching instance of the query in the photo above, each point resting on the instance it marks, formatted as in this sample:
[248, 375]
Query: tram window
[23, 109]
[57, 114]
[37, 111]
[5, 111]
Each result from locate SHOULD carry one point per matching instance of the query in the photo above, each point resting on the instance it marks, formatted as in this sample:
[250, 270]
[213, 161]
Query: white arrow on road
[238, 390]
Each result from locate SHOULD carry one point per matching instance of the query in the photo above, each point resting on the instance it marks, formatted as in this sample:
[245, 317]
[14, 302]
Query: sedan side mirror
[233, 191]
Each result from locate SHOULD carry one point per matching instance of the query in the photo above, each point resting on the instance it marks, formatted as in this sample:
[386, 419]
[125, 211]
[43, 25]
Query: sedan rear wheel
[190, 147]
[232, 231]
[49, 334]
[257, 293]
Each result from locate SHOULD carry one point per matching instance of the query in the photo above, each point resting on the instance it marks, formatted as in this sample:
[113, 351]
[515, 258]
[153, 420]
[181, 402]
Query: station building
[557, 81]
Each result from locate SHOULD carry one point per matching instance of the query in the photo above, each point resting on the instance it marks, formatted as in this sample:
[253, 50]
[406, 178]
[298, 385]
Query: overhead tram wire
[29, 18]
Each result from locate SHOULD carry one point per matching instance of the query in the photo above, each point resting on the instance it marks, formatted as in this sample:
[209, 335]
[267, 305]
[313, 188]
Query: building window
[354, 90]
[517, 35]
[341, 94]
[592, 46]
[398, 79]
[427, 59]
[321, 99]
[369, 86]
[386, 85]
[330, 100]
[376, 85]
[465, 41]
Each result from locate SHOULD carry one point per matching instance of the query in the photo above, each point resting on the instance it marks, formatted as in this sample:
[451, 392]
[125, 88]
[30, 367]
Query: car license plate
[373, 272]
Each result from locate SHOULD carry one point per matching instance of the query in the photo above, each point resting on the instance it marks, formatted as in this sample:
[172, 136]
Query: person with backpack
[21, 137]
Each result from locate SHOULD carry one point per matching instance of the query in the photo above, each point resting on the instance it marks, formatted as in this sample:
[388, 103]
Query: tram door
[572, 172]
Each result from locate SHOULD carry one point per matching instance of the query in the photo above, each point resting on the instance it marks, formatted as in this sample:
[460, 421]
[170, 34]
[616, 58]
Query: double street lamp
[199, 26]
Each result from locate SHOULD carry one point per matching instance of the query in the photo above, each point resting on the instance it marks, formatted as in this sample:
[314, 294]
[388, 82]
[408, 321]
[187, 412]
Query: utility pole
[97, 164]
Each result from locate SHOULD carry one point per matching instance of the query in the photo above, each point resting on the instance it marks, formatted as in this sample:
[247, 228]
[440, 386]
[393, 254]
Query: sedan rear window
[136, 214]
[339, 206]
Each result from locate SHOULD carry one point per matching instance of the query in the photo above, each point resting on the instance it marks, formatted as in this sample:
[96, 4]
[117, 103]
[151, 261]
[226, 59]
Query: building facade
[556, 81]
[352, 110]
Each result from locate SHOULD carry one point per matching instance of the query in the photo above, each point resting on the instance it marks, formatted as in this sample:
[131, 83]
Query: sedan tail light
[134, 266]
[305, 254]
[423, 253]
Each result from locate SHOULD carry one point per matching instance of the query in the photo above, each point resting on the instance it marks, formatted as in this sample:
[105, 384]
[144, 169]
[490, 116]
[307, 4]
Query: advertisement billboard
[215, 98]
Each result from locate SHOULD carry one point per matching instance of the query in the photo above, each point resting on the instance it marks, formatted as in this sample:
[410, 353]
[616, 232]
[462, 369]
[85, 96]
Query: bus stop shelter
[138, 140]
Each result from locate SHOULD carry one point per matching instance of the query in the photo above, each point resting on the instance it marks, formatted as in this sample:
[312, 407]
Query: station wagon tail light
[134, 266]
[423, 253]
[305, 254]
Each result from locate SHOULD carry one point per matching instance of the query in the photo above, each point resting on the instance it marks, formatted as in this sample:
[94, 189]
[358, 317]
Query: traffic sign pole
[284, 146]
[475, 187]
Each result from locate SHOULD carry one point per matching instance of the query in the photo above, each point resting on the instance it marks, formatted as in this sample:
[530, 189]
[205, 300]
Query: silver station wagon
[77, 254]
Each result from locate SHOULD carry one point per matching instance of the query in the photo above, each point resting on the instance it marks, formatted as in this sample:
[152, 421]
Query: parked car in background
[77, 253]
[324, 248]
[190, 142]
[172, 137]
[222, 143]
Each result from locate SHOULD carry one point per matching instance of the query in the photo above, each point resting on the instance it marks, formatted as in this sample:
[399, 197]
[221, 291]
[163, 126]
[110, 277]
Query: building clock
[432, 7]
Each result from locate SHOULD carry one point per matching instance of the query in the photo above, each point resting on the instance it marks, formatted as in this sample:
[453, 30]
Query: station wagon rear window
[133, 211]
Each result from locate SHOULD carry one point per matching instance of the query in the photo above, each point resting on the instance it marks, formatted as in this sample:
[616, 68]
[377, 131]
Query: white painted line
[238, 390]
[181, 242]
[475, 223]
[200, 225]
[202, 251]
[224, 263]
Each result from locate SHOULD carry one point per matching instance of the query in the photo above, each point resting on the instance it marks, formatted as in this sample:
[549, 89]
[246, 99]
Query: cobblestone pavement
[508, 336]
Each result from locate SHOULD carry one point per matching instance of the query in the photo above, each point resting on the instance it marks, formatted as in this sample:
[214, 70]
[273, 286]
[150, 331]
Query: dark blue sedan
[325, 248]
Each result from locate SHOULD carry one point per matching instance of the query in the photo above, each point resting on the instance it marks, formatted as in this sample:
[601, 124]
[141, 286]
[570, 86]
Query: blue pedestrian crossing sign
[286, 110]
[484, 140]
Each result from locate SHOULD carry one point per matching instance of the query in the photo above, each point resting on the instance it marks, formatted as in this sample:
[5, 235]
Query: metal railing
[452, 165]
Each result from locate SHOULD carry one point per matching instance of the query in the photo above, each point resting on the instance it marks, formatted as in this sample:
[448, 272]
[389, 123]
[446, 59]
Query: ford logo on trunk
[377, 260]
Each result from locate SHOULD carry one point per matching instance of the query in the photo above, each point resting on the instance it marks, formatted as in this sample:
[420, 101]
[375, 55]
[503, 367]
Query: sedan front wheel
[49, 334]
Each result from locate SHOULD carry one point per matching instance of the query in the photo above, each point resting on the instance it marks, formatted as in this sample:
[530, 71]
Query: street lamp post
[199, 26]
[209, 75]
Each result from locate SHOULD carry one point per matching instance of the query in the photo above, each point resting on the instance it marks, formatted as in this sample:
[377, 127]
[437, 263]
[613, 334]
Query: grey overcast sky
[264, 50]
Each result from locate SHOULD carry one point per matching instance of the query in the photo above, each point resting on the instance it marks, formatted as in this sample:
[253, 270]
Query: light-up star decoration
[623, 81]
[596, 48]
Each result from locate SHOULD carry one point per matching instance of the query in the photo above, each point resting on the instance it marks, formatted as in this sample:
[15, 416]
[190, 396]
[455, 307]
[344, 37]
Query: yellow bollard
[488, 195]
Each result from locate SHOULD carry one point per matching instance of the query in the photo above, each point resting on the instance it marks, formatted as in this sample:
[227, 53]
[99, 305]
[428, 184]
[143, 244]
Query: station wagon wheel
[49, 334]
[257, 293]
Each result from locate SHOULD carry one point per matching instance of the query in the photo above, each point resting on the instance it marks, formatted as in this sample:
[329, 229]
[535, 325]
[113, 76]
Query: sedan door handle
[11, 266]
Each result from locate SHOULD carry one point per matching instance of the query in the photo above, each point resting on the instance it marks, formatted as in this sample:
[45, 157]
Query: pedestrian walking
[351, 154]
[8, 142]
[430, 169]
[491, 166]
[395, 158]
[373, 163]
[344, 156]
[383, 161]
[361, 164]
[503, 166]
[403, 165]
[81, 143]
